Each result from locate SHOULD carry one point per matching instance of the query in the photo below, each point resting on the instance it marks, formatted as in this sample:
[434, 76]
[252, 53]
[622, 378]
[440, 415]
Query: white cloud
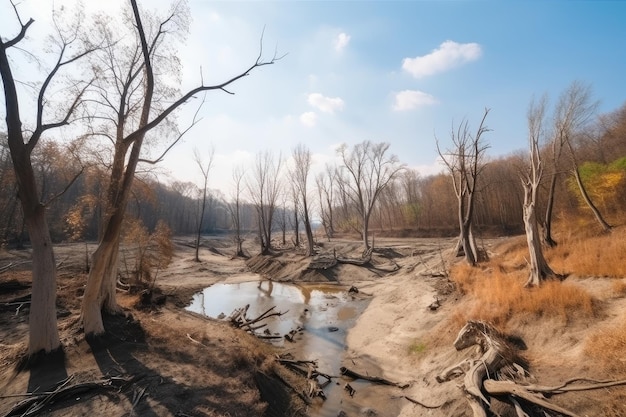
[341, 41]
[411, 99]
[309, 119]
[325, 104]
[449, 55]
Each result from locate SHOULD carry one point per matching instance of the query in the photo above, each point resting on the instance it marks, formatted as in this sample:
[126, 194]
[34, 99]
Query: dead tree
[369, 169]
[205, 169]
[539, 268]
[300, 175]
[43, 333]
[129, 97]
[465, 162]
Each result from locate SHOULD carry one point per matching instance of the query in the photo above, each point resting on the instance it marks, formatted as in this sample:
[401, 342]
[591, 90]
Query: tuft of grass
[498, 296]
[607, 346]
[417, 348]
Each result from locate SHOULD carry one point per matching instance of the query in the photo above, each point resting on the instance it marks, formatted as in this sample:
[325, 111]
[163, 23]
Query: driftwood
[352, 374]
[35, 402]
[309, 370]
[488, 376]
[239, 320]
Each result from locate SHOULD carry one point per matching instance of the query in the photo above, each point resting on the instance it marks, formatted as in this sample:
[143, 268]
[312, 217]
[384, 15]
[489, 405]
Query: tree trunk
[43, 334]
[583, 191]
[539, 268]
[296, 227]
[310, 250]
[365, 232]
[547, 229]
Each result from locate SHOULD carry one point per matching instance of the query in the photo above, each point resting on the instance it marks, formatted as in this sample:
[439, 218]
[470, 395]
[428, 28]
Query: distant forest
[72, 187]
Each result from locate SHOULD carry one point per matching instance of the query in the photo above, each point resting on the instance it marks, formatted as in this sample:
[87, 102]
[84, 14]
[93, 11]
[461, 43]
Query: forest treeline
[410, 205]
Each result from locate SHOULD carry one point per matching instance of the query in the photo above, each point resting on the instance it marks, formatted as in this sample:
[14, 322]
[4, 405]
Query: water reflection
[325, 312]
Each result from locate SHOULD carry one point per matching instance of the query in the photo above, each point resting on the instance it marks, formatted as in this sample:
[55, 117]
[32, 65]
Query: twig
[414, 401]
[352, 374]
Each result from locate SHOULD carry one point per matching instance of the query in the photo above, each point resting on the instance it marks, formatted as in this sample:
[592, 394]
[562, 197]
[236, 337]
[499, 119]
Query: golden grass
[596, 255]
[607, 346]
[498, 296]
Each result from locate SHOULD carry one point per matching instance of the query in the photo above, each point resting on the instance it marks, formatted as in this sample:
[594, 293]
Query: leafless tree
[205, 168]
[369, 169]
[572, 113]
[574, 110]
[134, 104]
[22, 141]
[264, 188]
[300, 175]
[465, 162]
[234, 208]
[325, 182]
[539, 268]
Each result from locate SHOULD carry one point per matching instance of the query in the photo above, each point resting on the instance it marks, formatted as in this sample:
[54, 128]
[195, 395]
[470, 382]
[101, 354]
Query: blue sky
[399, 72]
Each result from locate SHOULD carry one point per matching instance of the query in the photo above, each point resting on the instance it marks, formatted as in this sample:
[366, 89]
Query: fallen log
[503, 388]
[355, 375]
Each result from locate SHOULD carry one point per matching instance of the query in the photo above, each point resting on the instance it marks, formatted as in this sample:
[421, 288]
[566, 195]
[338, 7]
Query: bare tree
[138, 109]
[205, 169]
[264, 187]
[369, 170]
[539, 268]
[300, 174]
[43, 335]
[234, 208]
[573, 112]
[465, 162]
[295, 197]
[325, 182]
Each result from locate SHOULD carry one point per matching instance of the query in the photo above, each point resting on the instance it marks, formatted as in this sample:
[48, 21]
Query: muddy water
[325, 312]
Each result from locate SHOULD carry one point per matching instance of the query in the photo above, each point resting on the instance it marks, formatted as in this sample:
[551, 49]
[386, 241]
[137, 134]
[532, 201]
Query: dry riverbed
[173, 362]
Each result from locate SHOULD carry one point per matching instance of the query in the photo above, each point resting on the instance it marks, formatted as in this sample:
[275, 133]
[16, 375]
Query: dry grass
[498, 296]
[607, 346]
[580, 254]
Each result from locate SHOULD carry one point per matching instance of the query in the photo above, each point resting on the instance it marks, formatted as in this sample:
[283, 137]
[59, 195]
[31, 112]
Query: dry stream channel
[322, 314]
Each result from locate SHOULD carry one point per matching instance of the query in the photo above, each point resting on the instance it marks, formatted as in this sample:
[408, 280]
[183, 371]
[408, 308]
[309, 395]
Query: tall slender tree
[205, 168]
[264, 186]
[138, 108]
[300, 177]
[22, 141]
[465, 161]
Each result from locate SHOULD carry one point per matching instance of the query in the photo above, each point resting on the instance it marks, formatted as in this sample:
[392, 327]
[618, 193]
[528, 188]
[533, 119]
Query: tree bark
[547, 226]
[43, 332]
[539, 268]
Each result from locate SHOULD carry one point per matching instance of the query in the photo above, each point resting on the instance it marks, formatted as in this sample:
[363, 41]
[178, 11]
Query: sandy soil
[176, 363]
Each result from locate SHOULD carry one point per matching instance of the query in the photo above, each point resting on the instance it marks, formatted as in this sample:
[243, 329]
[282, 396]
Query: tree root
[486, 377]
